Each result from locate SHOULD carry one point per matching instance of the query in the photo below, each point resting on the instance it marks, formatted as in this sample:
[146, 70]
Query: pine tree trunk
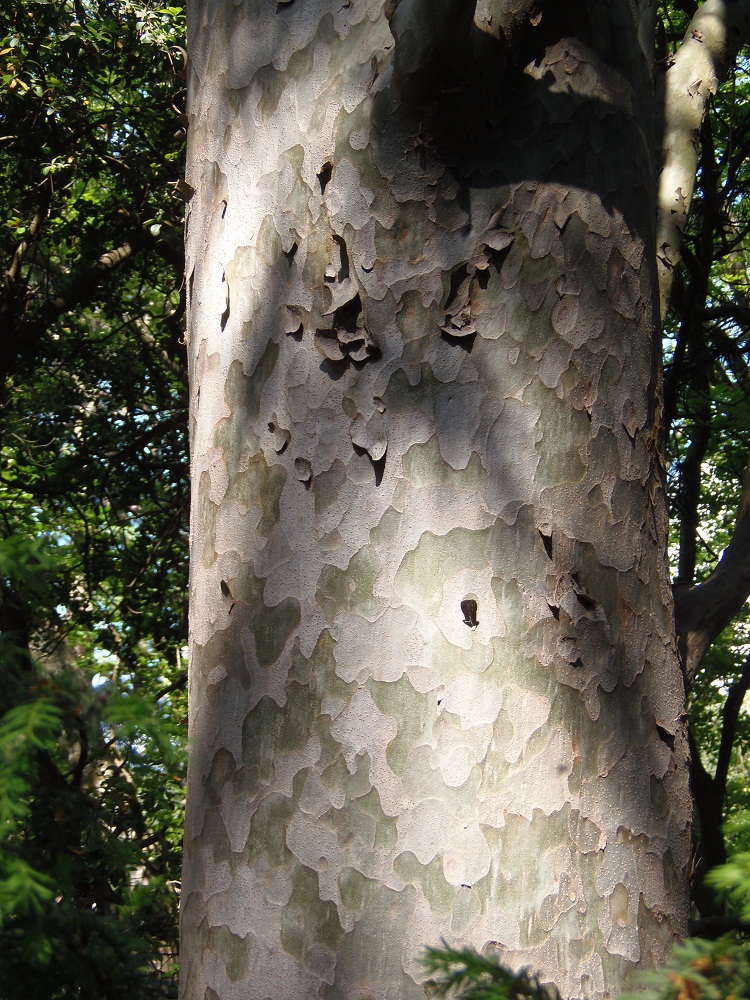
[434, 690]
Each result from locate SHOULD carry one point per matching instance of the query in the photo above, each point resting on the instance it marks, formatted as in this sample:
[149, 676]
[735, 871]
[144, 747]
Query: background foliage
[93, 503]
[93, 498]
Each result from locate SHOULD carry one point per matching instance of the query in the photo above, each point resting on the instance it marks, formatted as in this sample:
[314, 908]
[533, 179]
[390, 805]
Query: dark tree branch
[704, 610]
[733, 354]
[12, 289]
[690, 336]
[730, 717]
[688, 7]
[31, 237]
[708, 834]
[716, 926]
[176, 685]
[729, 310]
[701, 780]
[690, 494]
[709, 794]
[80, 289]
[675, 371]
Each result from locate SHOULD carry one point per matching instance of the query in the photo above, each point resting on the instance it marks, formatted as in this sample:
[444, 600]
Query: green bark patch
[513, 883]
[215, 832]
[412, 319]
[267, 836]
[336, 775]
[349, 589]
[584, 834]
[659, 798]
[402, 396]
[268, 243]
[439, 893]
[328, 485]
[386, 833]
[234, 950]
[271, 624]
[318, 673]
[507, 593]
[330, 748]
[271, 729]
[620, 905]
[356, 890]
[300, 671]
[516, 550]
[262, 484]
[208, 511]
[425, 466]
[413, 712]
[273, 82]
[222, 768]
[338, 778]
[387, 529]
[307, 920]
[362, 966]
[562, 430]
[436, 558]
[242, 394]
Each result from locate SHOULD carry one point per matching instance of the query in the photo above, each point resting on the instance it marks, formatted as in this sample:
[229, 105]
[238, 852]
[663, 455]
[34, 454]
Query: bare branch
[717, 31]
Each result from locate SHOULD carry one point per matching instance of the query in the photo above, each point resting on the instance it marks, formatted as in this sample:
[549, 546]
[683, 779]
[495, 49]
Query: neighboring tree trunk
[434, 687]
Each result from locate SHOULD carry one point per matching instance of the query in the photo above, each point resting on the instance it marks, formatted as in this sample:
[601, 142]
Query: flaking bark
[434, 690]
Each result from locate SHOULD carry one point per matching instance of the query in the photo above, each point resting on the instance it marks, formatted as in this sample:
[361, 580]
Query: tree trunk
[434, 689]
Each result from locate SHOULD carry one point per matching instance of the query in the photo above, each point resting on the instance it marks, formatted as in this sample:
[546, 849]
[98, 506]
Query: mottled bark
[434, 689]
